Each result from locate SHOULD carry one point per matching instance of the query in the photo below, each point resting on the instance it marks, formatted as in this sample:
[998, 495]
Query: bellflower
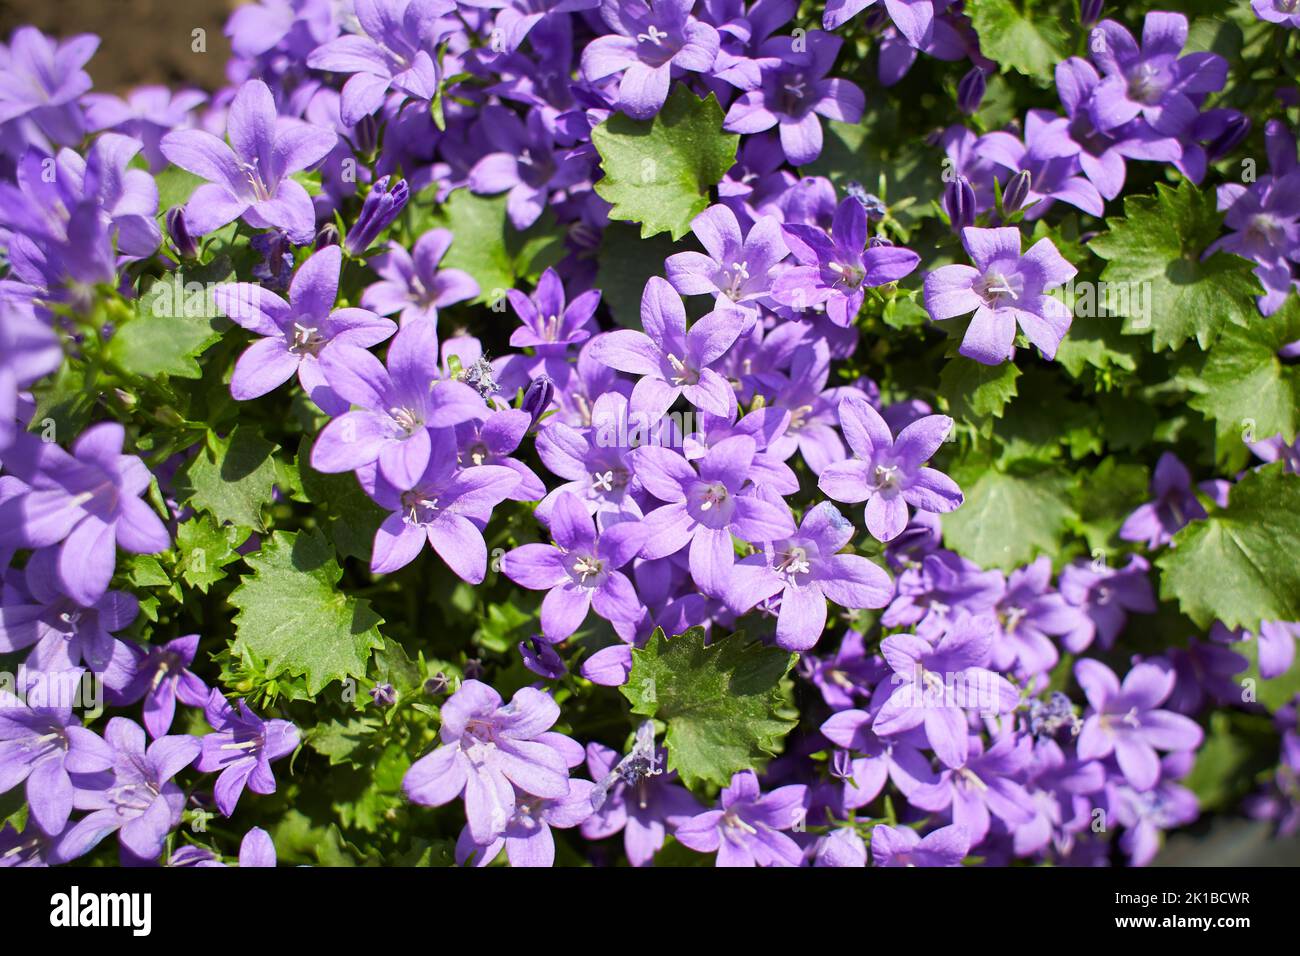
[295, 333]
[746, 830]
[1285, 12]
[981, 787]
[595, 462]
[489, 748]
[733, 269]
[1126, 719]
[252, 180]
[1050, 159]
[913, 18]
[382, 205]
[527, 837]
[492, 440]
[161, 675]
[241, 748]
[147, 114]
[43, 79]
[525, 164]
[29, 350]
[1004, 289]
[549, 324]
[1106, 596]
[1027, 613]
[805, 570]
[928, 594]
[1156, 522]
[412, 283]
[903, 846]
[580, 571]
[889, 473]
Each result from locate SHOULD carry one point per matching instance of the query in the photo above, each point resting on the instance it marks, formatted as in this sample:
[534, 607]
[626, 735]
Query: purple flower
[903, 846]
[1048, 159]
[413, 284]
[1106, 596]
[255, 850]
[253, 179]
[88, 500]
[735, 270]
[648, 42]
[889, 474]
[1027, 613]
[390, 51]
[241, 748]
[1151, 80]
[1146, 813]
[527, 837]
[382, 205]
[1004, 289]
[42, 745]
[849, 674]
[944, 582]
[487, 750]
[397, 406]
[29, 350]
[793, 95]
[43, 79]
[706, 508]
[445, 505]
[842, 847]
[524, 162]
[806, 570]
[746, 830]
[491, 440]
[161, 675]
[1285, 12]
[595, 462]
[834, 270]
[981, 787]
[549, 323]
[295, 333]
[147, 114]
[670, 360]
[913, 18]
[935, 686]
[1175, 504]
[1125, 719]
[580, 571]
[137, 799]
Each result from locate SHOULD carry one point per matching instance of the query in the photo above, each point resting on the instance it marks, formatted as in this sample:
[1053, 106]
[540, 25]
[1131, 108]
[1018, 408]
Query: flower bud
[538, 397]
[381, 206]
[385, 695]
[959, 203]
[1236, 129]
[970, 91]
[185, 245]
[1016, 192]
[1090, 11]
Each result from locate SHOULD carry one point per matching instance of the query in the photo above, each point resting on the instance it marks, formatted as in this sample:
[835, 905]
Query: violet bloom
[842, 847]
[252, 180]
[527, 837]
[982, 787]
[944, 582]
[746, 831]
[888, 473]
[296, 332]
[241, 748]
[1106, 596]
[1151, 80]
[550, 324]
[161, 675]
[382, 205]
[525, 162]
[1050, 158]
[1145, 814]
[1125, 719]
[487, 750]
[806, 570]
[42, 745]
[913, 18]
[88, 500]
[1276, 647]
[389, 52]
[1003, 288]
[935, 686]
[1028, 612]
[580, 571]
[516, 18]
[794, 94]
[596, 462]
[814, 409]
[903, 846]
[1175, 504]
[412, 282]
[650, 39]
[735, 269]
[670, 360]
[848, 674]
[1285, 12]
[42, 80]
[29, 350]
[62, 633]
[445, 506]
[256, 849]
[835, 269]
[704, 510]
[637, 797]
[137, 799]
[147, 114]
[397, 406]
[492, 441]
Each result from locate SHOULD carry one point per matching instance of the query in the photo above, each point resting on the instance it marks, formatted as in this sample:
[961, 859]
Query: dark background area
[143, 41]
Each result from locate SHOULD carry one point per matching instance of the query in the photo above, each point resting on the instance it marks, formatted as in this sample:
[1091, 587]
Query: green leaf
[624, 265]
[1096, 341]
[1155, 251]
[1024, 36]
[1106, 496]
[232, 478]
[204, 550]
[292, 614]
[1244, 387]
[350, 516]
[723, 703]
[974, 390]
[1009, 517]
[1275, 692]
[658, 172]
[175, 186]
[491, 249]
[1238, 565]
[344, 741]
[176, 319]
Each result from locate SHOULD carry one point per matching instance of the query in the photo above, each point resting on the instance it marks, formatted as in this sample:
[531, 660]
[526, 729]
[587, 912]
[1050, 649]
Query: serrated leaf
[1097, 341]
[1024, 36]
[204, 550]
[624, 265]
[974, 390]
[232, 478]
[176, 320]
[1009, 517]
[1107, 495]
[1156, 252]
[293, 616]
[723, 702]
[1244, 386]
[350, 516]
[1238, 565]
[343, 741]
[658, 172]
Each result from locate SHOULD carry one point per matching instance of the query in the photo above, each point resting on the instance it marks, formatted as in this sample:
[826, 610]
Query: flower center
[306, 339]
[996, 287]
[683, 374]
[884, 478]
[736, 277]
[407, 420]
[714, 495]
[254, 177]
[419, 506]
[1147, 84]
[794, 561]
